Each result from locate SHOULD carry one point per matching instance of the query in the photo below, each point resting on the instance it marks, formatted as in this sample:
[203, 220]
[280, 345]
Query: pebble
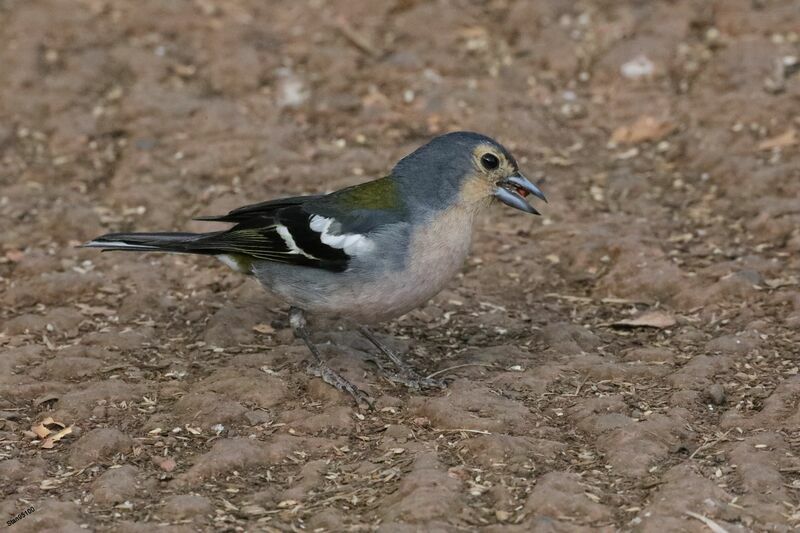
[716, 393]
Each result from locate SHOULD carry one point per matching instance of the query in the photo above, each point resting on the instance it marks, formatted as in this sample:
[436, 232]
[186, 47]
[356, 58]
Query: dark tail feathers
[152, 242]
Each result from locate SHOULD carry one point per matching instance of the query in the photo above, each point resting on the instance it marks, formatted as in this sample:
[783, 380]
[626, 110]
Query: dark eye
[490, 161]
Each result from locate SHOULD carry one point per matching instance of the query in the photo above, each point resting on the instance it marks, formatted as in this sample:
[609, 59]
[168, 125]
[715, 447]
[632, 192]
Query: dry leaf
[49, 484]
[47, 426]
[650, 319]
[41, 428]
[645, 128]
[263, 328]
[50, 441]
[287, 503]
[787, 138]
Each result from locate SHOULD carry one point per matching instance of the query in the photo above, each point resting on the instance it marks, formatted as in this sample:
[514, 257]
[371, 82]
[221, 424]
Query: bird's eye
[490, 161]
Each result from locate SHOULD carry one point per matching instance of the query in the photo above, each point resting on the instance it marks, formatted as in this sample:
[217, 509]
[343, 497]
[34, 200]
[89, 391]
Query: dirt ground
[665, 135]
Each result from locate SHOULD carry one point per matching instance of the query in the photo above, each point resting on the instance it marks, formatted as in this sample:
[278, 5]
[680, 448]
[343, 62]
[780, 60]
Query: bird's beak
[513, 190]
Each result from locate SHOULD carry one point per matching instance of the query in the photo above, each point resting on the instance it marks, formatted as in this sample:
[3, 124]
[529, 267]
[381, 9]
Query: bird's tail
[152, 242]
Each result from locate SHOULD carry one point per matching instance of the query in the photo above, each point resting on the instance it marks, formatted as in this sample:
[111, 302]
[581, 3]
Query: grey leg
[297, 320]
[405, 374]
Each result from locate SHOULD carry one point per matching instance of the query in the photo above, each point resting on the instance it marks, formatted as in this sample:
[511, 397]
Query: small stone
[167, 464]
[716, 393]
[639, 67]
[116, 485]
[99, 445]
[186, 506]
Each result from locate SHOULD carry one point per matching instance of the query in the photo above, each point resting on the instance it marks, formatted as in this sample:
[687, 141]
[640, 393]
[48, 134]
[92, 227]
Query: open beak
[513, 190]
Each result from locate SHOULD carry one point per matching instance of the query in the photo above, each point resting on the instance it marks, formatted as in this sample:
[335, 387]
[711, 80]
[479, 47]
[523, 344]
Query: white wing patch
[351, 243]
[283, 231]
[320, 224]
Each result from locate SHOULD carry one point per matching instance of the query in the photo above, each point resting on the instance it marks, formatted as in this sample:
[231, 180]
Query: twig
[355, 38]
[622, 301]
[257, 346]
[652, 484]
[581, 384]
[569, 298]
[713, 526]
[478, 431]
[430, 376]
[589, 300]
[709, 444]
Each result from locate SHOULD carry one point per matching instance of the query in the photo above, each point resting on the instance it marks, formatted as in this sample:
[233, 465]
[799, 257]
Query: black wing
[279, 231]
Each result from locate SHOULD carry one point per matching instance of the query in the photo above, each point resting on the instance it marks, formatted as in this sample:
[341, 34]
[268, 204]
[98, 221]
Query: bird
[367, 253]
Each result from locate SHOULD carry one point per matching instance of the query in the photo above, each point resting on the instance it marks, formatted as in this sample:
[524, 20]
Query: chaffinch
[367, 253]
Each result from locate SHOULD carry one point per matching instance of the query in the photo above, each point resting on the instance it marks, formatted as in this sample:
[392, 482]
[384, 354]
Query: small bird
[366, 253]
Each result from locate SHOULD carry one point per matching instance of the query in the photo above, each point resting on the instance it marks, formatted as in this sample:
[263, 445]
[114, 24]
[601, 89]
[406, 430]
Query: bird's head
[465, 168]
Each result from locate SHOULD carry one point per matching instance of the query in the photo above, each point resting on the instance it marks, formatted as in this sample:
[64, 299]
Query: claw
[331, 377]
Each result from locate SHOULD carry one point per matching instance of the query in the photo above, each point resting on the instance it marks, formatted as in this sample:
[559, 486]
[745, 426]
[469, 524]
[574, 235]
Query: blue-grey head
[464, 168]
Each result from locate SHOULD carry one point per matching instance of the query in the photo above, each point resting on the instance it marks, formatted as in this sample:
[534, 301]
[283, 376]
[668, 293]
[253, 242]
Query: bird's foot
[405, 374]
[297, 320]
[332, 377]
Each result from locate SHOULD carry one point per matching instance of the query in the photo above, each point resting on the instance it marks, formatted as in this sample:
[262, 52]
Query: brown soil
[668, 135]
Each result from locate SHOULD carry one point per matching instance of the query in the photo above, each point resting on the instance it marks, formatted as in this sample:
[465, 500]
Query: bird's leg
[299, 325]
[406, 375]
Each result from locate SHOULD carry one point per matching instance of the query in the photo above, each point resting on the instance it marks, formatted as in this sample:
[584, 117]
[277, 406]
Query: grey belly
[366, 294]
[363, 298]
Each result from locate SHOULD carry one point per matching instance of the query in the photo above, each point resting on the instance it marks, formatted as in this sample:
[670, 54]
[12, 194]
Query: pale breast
[437, 254]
